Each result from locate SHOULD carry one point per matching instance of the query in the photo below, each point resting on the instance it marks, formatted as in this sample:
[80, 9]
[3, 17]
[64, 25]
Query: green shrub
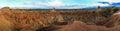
[106, 12]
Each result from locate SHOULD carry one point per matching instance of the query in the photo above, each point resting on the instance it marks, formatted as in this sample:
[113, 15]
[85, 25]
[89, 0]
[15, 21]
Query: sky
[59, 4]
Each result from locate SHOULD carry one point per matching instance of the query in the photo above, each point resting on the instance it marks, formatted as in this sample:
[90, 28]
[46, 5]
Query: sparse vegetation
[24, 20]
[106, 12]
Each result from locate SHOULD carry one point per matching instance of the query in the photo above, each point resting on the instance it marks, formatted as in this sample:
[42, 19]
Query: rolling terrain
[57, 20]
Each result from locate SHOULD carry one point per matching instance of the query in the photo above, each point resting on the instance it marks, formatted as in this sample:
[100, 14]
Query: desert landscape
[59, 15]
[99, 19]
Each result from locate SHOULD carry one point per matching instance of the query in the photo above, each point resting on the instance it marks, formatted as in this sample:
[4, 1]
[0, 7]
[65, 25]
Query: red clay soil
[32, 21]
[5, 25]
[113, 20]
[26, 20]
[80, 26]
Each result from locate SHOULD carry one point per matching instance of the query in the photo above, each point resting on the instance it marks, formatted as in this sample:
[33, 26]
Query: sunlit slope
[30, 20]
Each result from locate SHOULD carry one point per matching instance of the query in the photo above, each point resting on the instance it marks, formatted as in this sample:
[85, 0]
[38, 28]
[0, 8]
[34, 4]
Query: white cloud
[111, 1]
[46, 3]
[98, 4]
[52, 3]
[55, 3]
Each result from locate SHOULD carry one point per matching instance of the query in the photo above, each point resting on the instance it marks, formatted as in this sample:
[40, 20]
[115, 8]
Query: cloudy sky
[60, 4]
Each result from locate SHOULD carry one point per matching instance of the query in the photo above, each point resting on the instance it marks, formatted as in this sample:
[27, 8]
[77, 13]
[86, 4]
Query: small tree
[115, 9]
[109, 11]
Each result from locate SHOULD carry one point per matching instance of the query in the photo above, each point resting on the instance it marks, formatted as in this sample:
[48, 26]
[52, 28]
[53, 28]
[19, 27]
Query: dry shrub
[85, 16]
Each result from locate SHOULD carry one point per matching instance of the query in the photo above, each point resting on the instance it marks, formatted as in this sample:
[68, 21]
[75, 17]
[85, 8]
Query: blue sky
[60, 4]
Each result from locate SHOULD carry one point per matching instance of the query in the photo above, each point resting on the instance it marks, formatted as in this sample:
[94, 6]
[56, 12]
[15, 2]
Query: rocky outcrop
[26, 21]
